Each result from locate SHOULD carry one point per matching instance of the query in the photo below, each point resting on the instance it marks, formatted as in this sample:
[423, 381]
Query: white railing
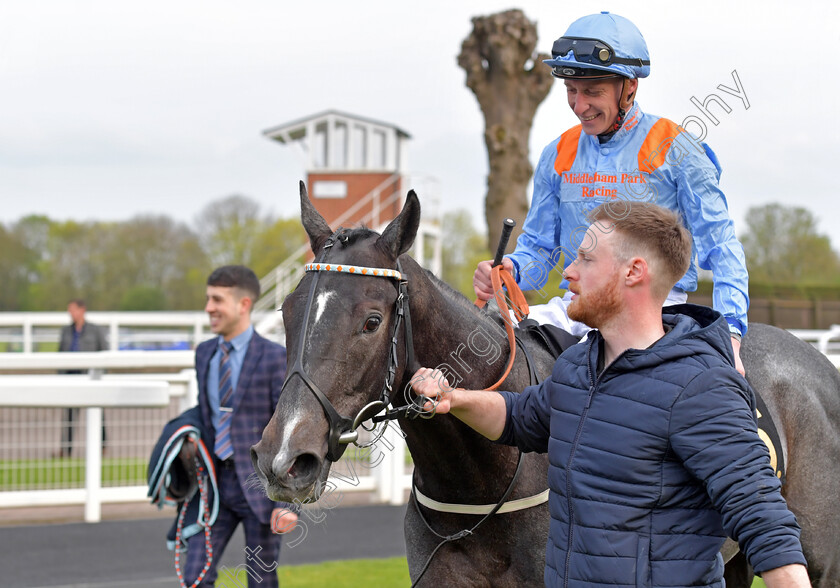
[164, 330]
[92, 393]
[171, 388]
[824, 340]
[25, 331]
[26, 439]
[93, 396]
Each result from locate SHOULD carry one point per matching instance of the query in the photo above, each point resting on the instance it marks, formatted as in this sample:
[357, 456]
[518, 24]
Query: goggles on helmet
[592, 51]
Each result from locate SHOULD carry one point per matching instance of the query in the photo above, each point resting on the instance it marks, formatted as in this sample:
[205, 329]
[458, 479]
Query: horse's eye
[372, 324]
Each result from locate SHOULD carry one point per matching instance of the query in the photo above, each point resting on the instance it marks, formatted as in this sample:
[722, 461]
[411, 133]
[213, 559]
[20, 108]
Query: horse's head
[339, 327]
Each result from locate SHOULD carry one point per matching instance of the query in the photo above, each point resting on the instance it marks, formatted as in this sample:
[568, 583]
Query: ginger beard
[596, 307]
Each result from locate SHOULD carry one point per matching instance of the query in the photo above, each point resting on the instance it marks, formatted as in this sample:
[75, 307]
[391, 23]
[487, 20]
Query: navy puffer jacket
[653, 462]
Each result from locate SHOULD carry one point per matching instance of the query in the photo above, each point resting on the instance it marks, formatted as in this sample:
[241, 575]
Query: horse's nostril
[304, 466]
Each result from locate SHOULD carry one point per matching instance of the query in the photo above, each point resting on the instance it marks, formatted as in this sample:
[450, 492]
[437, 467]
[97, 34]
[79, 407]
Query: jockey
[619, 152]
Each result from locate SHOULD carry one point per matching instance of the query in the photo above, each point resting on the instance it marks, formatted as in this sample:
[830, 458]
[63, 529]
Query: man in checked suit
[240, 375]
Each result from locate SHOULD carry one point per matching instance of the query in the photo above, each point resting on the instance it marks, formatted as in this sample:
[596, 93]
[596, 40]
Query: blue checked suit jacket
[257, 392]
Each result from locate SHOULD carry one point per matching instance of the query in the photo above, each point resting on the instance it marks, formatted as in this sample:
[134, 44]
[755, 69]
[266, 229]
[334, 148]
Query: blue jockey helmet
[600, 46]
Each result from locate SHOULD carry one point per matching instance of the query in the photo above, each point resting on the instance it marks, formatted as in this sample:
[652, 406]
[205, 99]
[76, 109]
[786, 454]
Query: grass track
[382, 573]
[39, 474]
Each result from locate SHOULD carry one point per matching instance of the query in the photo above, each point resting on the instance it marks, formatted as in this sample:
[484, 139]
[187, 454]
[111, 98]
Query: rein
[498, 277]
[464, 532]
[488, 510]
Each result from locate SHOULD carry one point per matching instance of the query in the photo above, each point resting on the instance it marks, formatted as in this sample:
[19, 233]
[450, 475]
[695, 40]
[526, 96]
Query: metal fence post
[190, 399]
[93, 465]
[114, 336]
[389, 460]
[93, 459]
[27, 336]
[397, 464]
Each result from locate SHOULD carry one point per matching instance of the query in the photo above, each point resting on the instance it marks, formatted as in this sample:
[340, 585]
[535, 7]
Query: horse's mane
[451, 293]
[462, 301]
[349, 236]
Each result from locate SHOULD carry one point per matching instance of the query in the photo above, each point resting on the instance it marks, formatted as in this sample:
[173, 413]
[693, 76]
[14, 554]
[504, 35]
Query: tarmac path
[133, 554]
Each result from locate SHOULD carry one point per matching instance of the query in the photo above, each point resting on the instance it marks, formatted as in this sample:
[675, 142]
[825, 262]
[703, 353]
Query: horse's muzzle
[284, 478]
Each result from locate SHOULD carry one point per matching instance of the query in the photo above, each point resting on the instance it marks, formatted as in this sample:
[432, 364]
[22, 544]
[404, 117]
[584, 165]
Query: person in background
[240, 376]
[79, 335]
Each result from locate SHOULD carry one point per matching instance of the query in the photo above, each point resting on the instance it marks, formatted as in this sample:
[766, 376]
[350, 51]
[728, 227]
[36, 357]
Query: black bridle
[343, 430]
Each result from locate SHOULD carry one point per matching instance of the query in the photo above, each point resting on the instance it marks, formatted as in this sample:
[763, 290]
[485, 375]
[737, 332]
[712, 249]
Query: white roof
[296, 129]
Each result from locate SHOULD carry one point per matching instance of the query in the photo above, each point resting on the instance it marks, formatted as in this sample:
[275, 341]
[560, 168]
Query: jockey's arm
[482, 410]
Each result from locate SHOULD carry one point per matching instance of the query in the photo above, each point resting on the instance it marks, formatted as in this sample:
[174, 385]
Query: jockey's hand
[432, 384]
[481, 278]
[283, 520]
[739, 365]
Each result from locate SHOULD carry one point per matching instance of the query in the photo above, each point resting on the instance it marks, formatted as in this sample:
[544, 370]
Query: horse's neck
[469, 346]
[471, 349]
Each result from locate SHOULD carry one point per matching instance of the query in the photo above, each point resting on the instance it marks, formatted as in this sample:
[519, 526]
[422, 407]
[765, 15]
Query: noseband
[343, 430]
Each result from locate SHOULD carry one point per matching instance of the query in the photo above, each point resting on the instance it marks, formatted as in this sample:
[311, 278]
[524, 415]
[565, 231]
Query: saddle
[554, 339]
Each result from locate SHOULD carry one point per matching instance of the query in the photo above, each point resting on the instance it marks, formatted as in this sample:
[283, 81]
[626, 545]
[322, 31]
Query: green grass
[36, 474]
[40, 474]
[382, 573]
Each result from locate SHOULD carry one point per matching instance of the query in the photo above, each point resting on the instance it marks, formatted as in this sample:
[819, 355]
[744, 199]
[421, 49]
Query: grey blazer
[92, 338]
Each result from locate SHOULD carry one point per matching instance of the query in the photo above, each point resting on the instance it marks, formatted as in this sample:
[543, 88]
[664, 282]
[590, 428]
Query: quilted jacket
[653, 461]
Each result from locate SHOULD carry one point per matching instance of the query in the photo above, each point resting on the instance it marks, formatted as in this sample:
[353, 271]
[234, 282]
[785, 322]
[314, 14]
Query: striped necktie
[223, 447]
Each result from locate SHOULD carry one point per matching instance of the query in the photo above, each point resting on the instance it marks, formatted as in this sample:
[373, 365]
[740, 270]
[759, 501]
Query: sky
[113, 109]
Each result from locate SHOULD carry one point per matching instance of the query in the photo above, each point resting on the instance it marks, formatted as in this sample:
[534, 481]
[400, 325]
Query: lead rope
[465, 532]
[498, 277]
[208, 546]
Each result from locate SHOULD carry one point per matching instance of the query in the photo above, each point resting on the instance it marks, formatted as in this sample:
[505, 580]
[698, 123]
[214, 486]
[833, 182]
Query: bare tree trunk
[510, 81]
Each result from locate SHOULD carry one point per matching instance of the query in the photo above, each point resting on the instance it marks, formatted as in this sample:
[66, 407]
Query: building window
[378, 146]
[359, 140]
[329, 189]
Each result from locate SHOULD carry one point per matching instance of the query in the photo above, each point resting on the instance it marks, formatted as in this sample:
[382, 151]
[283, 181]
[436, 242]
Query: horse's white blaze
[282, 455]
[321, 304]
[321, 301]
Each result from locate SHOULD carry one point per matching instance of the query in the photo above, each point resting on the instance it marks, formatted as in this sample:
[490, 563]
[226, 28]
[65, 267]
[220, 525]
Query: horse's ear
[398, 236]
[315, 225]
